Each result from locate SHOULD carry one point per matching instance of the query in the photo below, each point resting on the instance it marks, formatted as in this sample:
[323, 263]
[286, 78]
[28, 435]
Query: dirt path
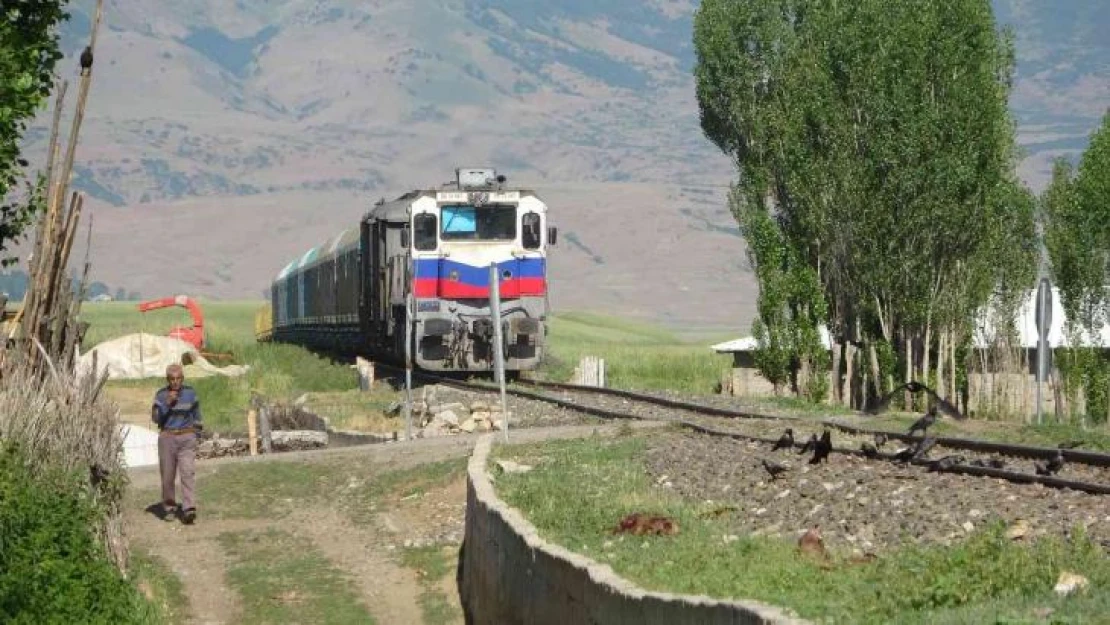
[369, 554]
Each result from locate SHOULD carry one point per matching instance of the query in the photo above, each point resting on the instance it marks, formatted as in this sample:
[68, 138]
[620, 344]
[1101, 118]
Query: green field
[637, 355]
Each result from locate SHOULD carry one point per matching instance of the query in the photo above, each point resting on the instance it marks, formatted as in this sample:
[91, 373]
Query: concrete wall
[508, 576]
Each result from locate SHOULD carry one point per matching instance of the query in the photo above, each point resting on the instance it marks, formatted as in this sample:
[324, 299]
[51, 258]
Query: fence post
[252, 431]
[264, 426]
[365, 374]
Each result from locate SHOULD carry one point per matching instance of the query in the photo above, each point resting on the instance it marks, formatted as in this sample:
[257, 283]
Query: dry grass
[62, 421]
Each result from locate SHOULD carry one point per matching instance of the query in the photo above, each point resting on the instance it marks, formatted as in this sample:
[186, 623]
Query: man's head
[175, 376]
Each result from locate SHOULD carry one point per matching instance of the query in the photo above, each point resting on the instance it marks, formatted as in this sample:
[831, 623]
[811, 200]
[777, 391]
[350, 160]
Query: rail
[1088, 458]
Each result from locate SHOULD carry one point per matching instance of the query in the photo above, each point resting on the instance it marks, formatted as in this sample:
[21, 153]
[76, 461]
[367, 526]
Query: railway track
[1091, 468]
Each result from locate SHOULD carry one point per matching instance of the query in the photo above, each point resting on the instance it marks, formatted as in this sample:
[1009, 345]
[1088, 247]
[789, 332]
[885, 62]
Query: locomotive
[424, 259]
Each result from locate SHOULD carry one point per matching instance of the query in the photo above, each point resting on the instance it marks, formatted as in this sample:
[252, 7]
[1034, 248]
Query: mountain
[221, 139]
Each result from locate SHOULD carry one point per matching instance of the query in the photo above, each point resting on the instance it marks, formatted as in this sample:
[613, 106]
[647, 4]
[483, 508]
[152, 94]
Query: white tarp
[137, 356]
[140, 446]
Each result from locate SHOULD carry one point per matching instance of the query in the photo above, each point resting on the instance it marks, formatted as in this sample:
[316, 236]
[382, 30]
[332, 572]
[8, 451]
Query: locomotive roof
[398, 209]
[393, 210]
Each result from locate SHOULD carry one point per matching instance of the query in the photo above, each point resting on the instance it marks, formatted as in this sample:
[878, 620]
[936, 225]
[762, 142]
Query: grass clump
[266, 489]
[53, 568]
[579, 490]
[637, 355]
[153, 577]
[281, 579]
[433, 565]
[361, 502]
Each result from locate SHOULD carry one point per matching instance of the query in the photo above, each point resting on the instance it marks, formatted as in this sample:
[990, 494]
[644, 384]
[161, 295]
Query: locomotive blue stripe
[478, 276]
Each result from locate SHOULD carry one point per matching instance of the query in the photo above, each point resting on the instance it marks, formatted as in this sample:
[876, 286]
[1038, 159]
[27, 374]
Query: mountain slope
[250, 132]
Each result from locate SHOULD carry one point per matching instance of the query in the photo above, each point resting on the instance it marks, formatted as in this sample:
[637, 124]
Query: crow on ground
[785, 441]
[822, 448]
[774, 468]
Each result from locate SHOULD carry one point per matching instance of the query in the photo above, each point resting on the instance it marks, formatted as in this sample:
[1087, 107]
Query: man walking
[176, 410]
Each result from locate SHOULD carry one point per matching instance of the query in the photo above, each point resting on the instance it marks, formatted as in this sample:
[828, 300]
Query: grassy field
[637, 356]
[987, 579]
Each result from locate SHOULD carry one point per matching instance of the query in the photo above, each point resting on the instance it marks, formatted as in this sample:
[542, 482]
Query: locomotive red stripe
[515, 287]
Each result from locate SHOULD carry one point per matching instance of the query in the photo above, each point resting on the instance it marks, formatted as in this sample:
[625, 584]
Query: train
[423, 260]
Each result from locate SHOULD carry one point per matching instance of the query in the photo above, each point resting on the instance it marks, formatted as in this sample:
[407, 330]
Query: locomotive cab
[457, 234]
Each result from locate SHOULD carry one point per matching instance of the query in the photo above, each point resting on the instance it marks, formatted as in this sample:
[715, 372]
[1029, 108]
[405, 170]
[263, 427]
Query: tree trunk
[849, 354]
[942, 390]
[952, 363]
[909, 372]
[876, 378]
[837, 349]
[926, 347]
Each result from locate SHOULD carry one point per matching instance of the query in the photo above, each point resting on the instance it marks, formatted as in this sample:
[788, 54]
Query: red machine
[193, 335]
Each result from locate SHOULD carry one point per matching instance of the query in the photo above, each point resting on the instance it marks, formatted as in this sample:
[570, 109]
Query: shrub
[53, 568]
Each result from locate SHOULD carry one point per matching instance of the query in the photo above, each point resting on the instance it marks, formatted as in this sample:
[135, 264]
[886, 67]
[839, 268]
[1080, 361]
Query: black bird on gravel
[945, 463]
[923, 447]
[945, 406]
[774, 468]
[1053, 467]
[786, 441]
[869, 450]
[915, 452]
[810, 445]
[924, 423]
[822, 448]
[880, 439]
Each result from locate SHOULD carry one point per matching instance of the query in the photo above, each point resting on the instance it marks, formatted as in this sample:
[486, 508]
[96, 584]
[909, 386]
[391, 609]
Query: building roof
[984, 331]
[748, 343]
[1027, 327]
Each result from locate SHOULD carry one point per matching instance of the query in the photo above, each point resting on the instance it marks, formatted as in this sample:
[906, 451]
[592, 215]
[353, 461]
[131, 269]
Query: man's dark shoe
[190, 516]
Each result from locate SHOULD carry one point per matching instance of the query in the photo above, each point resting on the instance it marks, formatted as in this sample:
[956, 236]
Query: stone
[480, 415]
[1069, 583]
[469, 425]
[1020, 529]
[479, 406]
[508, 466]
[448, 417]
[451, 407]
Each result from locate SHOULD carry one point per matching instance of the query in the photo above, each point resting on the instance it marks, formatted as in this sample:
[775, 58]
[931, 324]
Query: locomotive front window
[424, 232]
[495, 222]
[530, 232]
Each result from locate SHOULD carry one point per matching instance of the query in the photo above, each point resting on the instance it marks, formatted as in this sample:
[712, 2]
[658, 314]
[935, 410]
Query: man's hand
[172, 397]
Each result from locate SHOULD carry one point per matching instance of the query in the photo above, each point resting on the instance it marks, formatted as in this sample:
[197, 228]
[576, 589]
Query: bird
[924, 422]
[809, 445]
[869, 450]
[86, 59]
[97, 475]
[923, 447]
[880, 439]
[785, 441]
[915, 452]
[945, 406]
[1052, 467]
[774, 468]
[822, 448]
[945, 463]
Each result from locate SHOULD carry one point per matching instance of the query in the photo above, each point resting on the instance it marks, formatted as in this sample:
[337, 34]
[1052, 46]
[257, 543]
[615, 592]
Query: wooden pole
[252, 431]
